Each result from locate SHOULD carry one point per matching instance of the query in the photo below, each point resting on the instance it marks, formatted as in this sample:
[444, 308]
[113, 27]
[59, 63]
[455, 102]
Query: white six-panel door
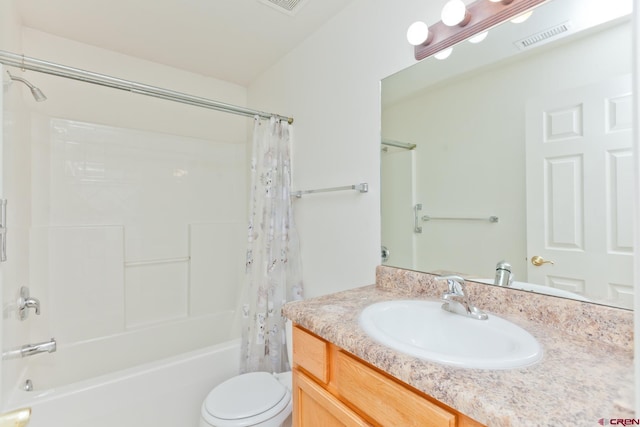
[580, 190]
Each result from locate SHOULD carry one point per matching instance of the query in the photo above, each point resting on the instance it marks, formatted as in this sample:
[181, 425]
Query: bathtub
[163, 393]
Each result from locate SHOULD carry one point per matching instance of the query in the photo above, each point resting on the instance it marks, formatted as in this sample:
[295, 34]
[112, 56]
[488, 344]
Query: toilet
[259, 399]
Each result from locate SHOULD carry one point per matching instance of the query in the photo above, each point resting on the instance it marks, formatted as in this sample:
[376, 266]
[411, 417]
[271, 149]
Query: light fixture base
[484, 15]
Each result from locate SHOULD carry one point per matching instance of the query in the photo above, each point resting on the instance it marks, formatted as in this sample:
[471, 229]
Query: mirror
[522, 154]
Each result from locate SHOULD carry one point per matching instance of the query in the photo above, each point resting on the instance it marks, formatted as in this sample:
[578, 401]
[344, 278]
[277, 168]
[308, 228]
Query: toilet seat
[246, 400]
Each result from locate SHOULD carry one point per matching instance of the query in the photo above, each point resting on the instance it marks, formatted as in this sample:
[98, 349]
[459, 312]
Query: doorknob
[538, 261]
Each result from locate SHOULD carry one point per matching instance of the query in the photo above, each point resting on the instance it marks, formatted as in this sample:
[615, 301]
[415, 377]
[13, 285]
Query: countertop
[581, 378]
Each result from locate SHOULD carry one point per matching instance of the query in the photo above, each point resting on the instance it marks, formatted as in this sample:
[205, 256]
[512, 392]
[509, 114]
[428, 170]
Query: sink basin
[424, 330]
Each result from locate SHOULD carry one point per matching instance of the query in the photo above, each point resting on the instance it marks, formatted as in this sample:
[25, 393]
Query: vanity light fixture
[522, 17]
[455, 13]
[477, 17]
[419, 34]
[443, 54]
[478, 38]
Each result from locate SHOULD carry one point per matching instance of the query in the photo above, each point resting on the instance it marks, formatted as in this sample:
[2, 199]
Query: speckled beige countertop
[586, 372]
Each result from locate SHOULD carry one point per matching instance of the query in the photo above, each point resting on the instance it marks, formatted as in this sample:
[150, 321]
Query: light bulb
[522, 17]
[443, 54]
[454, 13]
[478, 37]
[418, 33]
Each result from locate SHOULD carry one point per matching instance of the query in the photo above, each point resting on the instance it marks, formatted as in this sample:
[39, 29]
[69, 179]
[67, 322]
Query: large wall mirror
[523, 153]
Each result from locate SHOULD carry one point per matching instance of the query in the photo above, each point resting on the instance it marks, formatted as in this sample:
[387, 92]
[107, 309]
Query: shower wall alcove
[134, 210]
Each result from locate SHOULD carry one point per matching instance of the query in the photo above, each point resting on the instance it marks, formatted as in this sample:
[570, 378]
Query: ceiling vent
[545, 36]
[290, 7]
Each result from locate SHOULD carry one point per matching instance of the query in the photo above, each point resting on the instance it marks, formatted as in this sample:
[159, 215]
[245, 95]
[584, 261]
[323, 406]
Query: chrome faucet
[25, 302]
[457, 301]
[504, 277]
[31, 349]
[41, 347]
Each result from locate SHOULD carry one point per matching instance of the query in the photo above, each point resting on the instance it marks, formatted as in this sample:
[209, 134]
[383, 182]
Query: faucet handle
[25, 302]
[456, 301]
[455, 283]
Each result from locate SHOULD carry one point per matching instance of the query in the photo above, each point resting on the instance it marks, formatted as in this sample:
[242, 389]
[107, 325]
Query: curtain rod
[40, 66]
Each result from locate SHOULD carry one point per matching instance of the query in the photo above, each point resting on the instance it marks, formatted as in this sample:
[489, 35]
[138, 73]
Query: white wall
[470, 159]
[331, 84]
[91, 103]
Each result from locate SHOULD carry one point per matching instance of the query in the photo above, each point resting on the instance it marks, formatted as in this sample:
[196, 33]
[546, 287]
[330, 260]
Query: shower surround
[134, 234]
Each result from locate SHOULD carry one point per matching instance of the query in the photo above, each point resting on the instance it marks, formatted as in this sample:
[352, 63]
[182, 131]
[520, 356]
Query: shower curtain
[273, 274]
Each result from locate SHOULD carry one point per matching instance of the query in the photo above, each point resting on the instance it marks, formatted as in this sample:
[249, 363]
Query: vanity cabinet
[331, 387]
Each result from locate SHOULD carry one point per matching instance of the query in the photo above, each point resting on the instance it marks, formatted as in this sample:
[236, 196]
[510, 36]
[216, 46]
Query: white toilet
[256, 399]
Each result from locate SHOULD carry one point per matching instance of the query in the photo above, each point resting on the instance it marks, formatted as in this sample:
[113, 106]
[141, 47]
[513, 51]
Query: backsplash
[601, 324]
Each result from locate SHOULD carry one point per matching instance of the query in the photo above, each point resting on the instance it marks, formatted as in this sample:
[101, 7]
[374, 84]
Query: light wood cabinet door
[311, 354]
[384, 400]
[313, 406]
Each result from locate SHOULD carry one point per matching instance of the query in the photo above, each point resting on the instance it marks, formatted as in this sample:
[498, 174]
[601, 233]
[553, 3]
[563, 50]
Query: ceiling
[231, 40]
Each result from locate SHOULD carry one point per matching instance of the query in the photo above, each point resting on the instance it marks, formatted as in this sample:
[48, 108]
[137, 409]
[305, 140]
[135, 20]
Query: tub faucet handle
[25, 302]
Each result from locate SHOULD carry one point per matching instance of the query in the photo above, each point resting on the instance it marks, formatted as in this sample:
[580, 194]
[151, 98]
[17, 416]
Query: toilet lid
[245, 396]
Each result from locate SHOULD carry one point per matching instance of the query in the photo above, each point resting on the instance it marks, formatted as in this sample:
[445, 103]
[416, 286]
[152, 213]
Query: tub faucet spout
[41, 347]
[31, 349]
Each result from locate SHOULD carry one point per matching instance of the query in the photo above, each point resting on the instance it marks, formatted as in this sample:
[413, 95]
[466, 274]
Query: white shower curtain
[273, 274]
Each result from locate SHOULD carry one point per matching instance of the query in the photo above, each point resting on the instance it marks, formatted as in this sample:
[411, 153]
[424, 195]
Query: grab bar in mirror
[362, 187]
[435, 218]
[417, 228]
[398, 144]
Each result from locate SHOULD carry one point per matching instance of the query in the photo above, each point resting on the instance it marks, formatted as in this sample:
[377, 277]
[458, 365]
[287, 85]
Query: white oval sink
[424, 330]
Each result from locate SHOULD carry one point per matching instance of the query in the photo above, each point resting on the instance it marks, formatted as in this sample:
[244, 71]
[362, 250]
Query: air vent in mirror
[544, 36]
